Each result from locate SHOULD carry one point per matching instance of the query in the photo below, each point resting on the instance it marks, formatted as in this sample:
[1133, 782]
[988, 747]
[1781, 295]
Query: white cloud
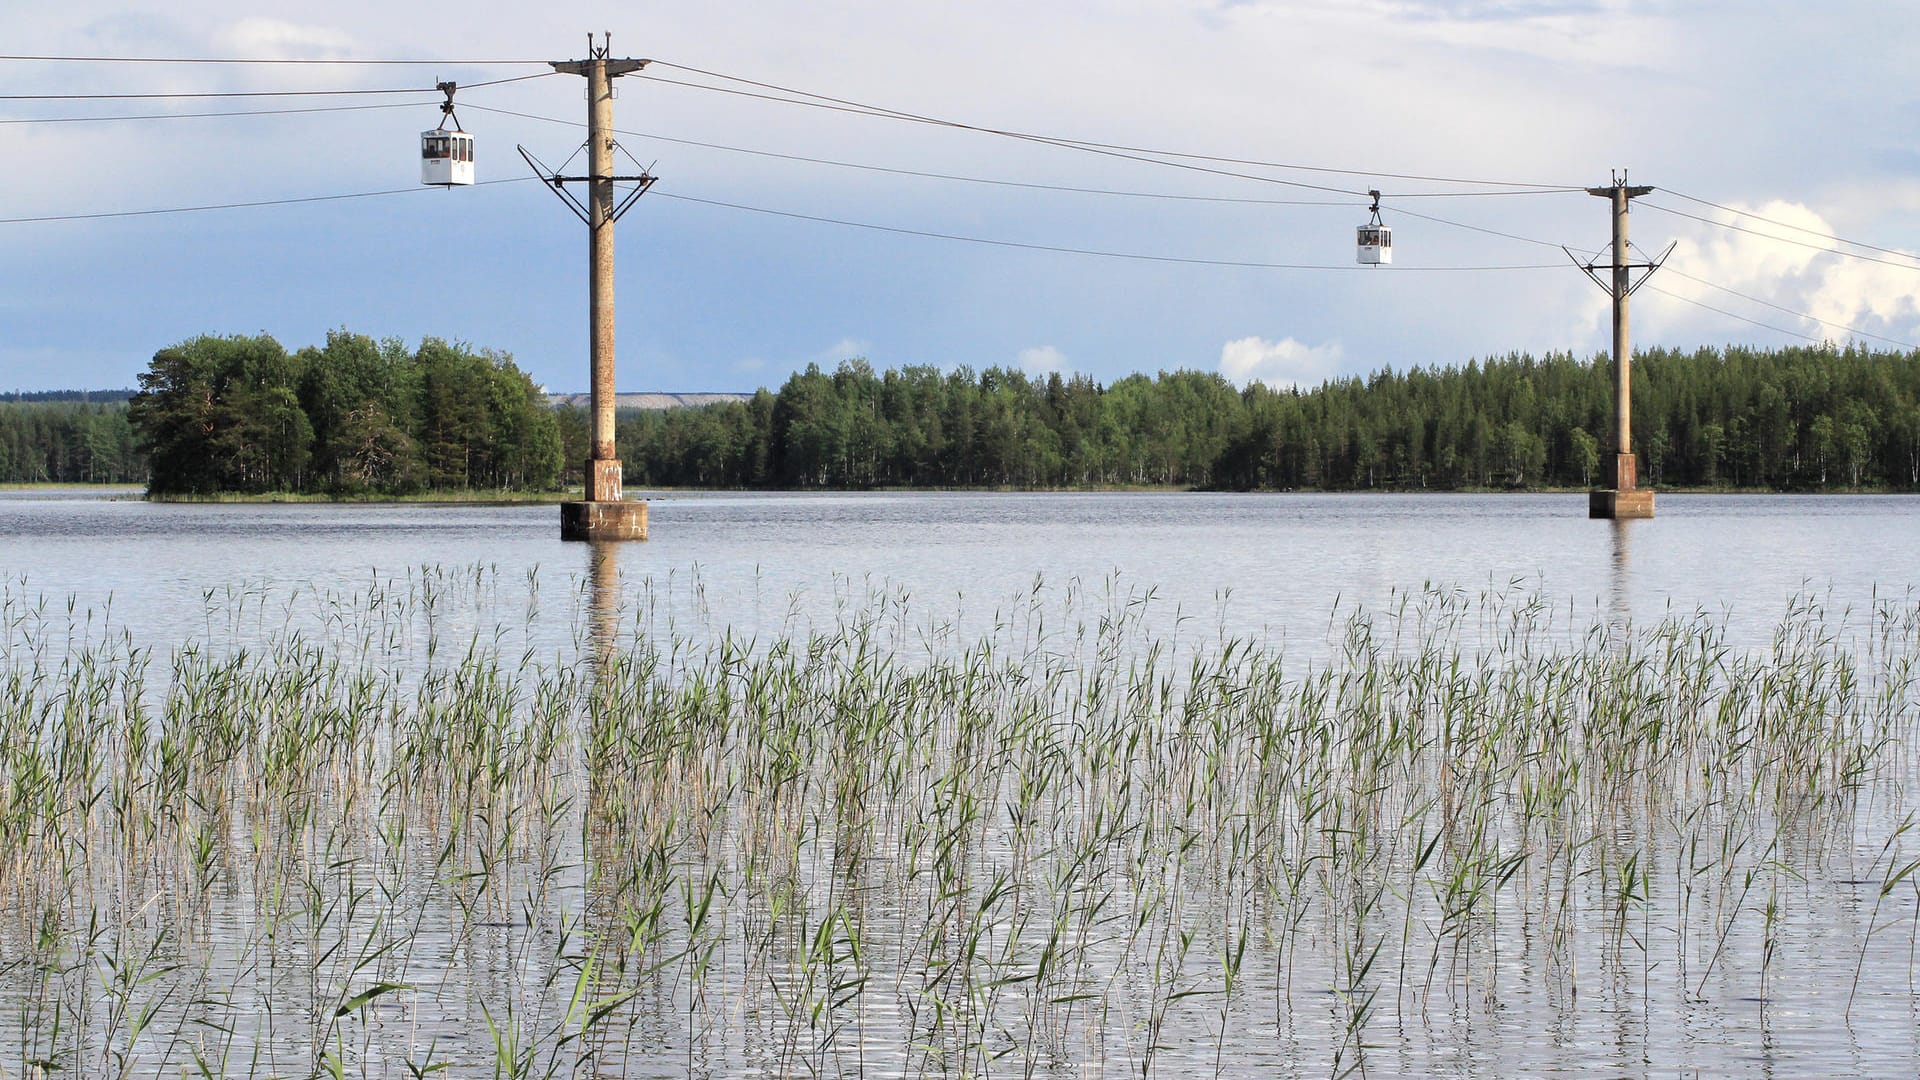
[1279, 363]
[847, 348]
[1866, 296]
[279, 39]
[1780, 261]
[1042, 360]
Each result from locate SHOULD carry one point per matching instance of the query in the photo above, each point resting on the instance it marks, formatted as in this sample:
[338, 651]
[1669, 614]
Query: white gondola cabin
[446, 153]
[446, 157]
[1376, 245]
[1375, 240]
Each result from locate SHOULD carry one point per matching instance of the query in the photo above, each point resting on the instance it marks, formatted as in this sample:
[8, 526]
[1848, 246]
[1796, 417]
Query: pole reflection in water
[610, 868]
[604, 670]
[1620, 587]
[603, 602]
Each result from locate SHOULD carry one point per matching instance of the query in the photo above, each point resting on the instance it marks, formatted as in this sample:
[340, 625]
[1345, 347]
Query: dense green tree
[73, 441]
[211, 415]
[241, 414]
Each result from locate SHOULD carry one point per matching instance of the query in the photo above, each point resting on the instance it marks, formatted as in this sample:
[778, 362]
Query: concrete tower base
[1626, 498]
[603, 521]
[1637, 503]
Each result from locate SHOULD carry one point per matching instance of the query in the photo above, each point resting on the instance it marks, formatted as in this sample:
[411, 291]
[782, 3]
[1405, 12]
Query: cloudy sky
[1801, 115]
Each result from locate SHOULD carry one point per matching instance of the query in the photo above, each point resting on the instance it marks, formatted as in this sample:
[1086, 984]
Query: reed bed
[1472, 834]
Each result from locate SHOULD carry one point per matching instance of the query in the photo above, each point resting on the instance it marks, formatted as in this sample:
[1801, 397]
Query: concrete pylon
[605, 513]
[1624, 497]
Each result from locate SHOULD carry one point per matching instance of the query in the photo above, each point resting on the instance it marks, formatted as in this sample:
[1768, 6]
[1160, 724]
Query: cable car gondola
[1375, 240]
[446, 154]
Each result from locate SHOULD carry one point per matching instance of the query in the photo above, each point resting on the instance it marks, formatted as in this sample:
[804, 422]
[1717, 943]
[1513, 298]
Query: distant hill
[647, 401]
[95, 396]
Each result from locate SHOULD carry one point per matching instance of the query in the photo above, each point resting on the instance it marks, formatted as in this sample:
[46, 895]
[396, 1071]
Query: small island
[351, 418]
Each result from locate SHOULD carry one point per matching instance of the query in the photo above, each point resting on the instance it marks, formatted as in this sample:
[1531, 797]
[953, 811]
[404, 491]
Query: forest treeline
[355, 416]
[63, 439]
[1786, 419]
[360, 416]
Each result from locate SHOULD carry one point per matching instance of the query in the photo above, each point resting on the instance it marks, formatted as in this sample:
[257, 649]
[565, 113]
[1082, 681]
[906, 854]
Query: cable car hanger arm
[446, 108]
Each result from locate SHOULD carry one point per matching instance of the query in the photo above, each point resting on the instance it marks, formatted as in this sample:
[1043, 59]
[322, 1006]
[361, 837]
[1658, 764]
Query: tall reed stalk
[379, 834]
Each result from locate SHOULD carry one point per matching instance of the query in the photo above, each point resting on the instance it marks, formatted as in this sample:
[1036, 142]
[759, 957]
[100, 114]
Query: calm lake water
[1271, 564]
[1620, 944]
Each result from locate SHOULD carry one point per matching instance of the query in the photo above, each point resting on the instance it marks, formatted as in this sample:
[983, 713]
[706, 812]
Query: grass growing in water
[362, 844]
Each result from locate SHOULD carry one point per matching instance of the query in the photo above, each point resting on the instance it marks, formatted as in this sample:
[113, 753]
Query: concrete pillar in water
[1623, 497]
[605, 514]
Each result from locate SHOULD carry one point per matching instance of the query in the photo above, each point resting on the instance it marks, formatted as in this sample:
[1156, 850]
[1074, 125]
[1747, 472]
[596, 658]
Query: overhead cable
[1788, 225]
[258, 93]
[1737, 318]
[1021, 245]
[920, 173]
[894, 229]
[335, 61]
[879, 110]
[1477, 228]
[801, 97]
[158, 211]
[1040, 139]
[1783, 239]
[1027, 185]
[1854, 330]
[210, 94]
[210, 115]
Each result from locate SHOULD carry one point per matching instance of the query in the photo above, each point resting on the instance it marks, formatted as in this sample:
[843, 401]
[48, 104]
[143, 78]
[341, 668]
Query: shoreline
[519, 498]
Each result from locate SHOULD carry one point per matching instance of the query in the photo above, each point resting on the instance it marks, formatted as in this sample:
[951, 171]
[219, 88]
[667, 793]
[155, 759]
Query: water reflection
[1620, 583]
[603, 601]
[1290, 559]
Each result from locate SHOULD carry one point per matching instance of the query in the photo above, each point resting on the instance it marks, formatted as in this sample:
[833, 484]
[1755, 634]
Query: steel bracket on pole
[557, 183]
[615, 68]
[1588, 269]
[645, 182]
[1650, 268]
